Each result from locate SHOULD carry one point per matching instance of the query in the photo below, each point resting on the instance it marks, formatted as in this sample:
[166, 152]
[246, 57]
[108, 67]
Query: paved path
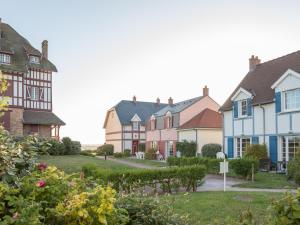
[129, 163]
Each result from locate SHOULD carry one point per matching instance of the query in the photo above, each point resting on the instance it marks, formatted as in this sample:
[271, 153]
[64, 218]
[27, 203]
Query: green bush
[142, 147]
[256, 151]
[71, 147]
[127, 152]
[187, 149]
[119, 155]
[106, 149]
[170, 179]
[243, 167]
[212, 165]
[150, 154]
[211, 150]
[85, 153]
[56, 148]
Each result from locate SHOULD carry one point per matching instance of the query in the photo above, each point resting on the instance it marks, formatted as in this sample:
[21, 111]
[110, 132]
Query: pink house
[161, 130]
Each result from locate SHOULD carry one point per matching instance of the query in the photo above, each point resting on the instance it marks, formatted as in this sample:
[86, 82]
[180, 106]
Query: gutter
[264, 122]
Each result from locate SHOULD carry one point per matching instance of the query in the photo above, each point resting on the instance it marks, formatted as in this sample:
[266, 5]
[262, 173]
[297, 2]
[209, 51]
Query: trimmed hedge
[106, 149]
[187, 149]
[212, 165]
[127, 152]
[167, 180]
[211, 150]
[256, 151]
[150, 154]
[243, 167]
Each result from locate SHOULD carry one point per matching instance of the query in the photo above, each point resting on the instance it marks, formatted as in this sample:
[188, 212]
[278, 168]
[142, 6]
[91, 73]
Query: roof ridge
[278, 58]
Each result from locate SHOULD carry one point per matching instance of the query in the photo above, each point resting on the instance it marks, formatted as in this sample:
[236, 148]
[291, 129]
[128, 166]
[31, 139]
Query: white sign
[220, 155]
[223, 167]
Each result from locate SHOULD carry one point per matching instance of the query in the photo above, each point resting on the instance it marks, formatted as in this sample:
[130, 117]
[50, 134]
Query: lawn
[146, 162]
[268, 180]
[205, 207]
[74, 163]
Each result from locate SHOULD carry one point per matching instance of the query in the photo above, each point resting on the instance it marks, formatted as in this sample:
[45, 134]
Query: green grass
[205, 207]
[146, 162]
[268, 180]
[74, 163]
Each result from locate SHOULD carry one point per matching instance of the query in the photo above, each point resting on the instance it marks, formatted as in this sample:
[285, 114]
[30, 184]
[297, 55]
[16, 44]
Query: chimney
[157, 101]
[45, 49]
[134, 99]
[253, 62]
[0, 29]
[170, 101]
[205, 91]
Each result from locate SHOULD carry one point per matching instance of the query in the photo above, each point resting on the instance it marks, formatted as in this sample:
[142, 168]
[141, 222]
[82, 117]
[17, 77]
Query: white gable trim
[169, 114]
[239, 91]
[285, 75]
[136, 118]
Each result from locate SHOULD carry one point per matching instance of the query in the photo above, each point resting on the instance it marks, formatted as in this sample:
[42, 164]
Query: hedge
[106, 149]
[211, 150]
[168, 179]
[212, 165]
[243, 167]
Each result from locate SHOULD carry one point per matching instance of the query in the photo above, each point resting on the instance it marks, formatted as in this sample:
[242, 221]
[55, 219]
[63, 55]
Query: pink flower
[41, 183]
[42, 166]
[16, 215]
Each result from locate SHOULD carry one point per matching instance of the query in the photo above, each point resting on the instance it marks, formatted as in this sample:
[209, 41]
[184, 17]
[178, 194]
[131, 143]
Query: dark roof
[259, 81]
[205, 119]
[127, 109]
[178, 107]
[41, 118]
[20, 49]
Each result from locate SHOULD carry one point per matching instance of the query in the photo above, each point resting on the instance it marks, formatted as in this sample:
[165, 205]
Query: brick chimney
[170, 101]
[45, 49]
[253, 62]
[157, 101]
[205, 91]
[134, 99]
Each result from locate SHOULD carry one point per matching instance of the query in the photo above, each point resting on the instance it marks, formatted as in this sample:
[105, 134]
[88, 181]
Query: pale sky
[110, 50]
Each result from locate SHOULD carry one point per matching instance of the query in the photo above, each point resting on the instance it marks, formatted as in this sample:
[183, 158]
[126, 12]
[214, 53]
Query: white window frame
[241, 108]
[35, 93]
[284, 94]
[285, 145]
[239, 146]
[34, 59]
[5, 58]
[135, 125]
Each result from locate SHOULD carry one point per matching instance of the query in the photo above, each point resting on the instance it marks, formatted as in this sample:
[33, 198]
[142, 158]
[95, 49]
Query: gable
[135, 118]
[112, 122]
[241, 94]
[288, 81]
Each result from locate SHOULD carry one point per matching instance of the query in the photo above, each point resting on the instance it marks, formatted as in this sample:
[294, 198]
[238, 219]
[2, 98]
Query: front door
[135, 147]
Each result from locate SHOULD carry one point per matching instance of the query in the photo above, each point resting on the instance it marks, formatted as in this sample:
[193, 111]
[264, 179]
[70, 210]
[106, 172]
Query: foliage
[256, 151]
[187, 149]
[150, 154]
[212, 165]
[127, 152]
[243, 167]
[142, 147]
[106, 149]
[56, 148]
[119, 155]
[169, 179]
[147, 211]
[4, 99]
[71, 147]
[211, 150]
[85, 153]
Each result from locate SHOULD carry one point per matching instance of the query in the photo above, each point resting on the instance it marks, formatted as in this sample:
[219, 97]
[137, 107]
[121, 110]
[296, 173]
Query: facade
[162, 127]
[125, 123]
[204, 128]
[29, 76]
[265, 109]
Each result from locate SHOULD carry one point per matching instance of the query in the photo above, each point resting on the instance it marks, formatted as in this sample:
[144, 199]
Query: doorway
[135, 146]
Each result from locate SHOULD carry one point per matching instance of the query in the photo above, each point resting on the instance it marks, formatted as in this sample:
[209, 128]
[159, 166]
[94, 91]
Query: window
[241, 144]
[292, 99]
[34, 93]
[169, 148]
[135, 125]
[34, 59]
[243, 108]
[289, 146]
[4, 58]
[154, 145]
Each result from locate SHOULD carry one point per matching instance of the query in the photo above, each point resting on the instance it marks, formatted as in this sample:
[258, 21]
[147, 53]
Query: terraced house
[183, 118]
[265, 108]
[29, 75]
[125, 123]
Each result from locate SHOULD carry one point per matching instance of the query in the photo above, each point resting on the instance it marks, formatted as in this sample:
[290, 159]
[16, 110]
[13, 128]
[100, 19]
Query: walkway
[128, 163]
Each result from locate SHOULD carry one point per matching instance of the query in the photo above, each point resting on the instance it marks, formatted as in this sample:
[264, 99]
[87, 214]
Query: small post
[105, 156]
[252, 170]
[224, 174]
[223, 167]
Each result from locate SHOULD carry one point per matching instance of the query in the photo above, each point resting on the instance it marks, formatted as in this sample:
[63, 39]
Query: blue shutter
[273, 148]
[236, 109]
[230, 147]
[249, 107]
[255, 140]
[278, 102]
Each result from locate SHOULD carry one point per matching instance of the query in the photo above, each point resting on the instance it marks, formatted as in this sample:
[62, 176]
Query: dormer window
[34, 59]
[5, 58]
[135, 125]
[152, 123]
[243, 108]
[292, 99]
[168, 120]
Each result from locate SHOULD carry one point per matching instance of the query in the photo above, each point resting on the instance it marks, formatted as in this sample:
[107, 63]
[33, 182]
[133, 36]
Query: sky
[107, 51]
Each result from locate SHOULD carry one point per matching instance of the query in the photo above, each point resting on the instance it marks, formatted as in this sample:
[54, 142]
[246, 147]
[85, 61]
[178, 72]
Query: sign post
[223, 166]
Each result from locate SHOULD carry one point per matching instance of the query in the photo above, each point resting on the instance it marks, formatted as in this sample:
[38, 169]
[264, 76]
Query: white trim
[168, 114]
[286, 74]
[239, 91]
[136, 118]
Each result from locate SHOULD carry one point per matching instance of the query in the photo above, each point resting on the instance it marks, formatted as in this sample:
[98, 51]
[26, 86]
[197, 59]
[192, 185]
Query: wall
[209, 136]
[16, 121]
[113, 131]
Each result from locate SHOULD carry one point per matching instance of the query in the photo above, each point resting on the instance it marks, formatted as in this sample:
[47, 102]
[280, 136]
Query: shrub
[142, 147]
[187, 149]
[85, 153]
[150, 154]
[256, 151]
[243, 167]
[119, 155]
[106, 149]
[71, 147]
[127, 152]
[211, 150]
[169, 179]
[56, 148]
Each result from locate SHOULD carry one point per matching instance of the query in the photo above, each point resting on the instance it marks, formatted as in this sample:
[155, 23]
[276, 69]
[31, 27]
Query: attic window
[5, 58]
[34, 59]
